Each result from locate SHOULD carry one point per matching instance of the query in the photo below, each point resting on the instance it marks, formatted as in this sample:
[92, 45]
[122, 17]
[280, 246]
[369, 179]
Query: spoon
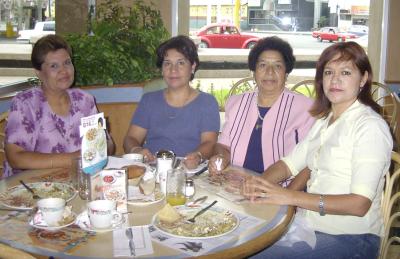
[34, 195]
[192, 220]
[197, 201]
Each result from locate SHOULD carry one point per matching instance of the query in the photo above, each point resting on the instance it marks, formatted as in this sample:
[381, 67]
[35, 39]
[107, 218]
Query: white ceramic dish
[215, 222]
[147, 200]
[19, 198]
[191, 172]
[53, 228]
[84, 223]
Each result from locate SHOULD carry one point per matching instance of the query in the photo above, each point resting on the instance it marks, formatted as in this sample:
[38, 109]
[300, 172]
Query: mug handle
[116, 217]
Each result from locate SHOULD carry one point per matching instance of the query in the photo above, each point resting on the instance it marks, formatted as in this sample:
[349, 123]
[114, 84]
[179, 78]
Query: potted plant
[120, 47]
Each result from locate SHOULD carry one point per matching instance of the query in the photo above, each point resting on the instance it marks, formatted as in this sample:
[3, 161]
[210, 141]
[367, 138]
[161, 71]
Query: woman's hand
[147, 155]
[259, 190]
[192, 160]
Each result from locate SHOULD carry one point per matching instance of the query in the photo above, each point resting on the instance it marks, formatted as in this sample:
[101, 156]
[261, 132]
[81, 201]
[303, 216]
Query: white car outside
[41, 29]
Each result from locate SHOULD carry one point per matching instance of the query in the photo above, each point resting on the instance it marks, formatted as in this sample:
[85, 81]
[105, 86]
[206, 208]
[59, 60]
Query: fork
[193, 219]
[34, 195]
[129, 234]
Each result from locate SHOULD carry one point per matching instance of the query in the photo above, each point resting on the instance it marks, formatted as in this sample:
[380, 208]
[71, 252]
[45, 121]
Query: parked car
[359, 30]
[332, 34]
[225, 35]
[41, 29]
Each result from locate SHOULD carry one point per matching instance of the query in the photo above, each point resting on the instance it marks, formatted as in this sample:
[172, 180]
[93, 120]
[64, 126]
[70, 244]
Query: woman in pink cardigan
[263, 125]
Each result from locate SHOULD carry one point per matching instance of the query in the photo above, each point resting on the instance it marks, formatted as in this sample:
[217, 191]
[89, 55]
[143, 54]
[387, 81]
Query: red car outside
[332, 34]
[225, 35]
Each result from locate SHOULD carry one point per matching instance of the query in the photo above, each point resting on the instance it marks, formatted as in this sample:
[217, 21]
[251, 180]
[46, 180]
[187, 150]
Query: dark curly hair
[272, 43]
[184, 45]
[45, 45]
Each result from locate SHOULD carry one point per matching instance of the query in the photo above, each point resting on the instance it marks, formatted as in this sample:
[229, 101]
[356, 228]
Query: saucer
[37, 222]
[84, 223]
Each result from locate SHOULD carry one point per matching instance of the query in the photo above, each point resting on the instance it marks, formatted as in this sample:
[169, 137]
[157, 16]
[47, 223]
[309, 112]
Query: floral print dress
[33, 126]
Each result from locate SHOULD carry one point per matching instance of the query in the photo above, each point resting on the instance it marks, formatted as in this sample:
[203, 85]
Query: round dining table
[17, 233]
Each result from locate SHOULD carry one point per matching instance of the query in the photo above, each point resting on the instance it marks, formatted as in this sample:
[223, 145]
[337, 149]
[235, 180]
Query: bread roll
[135, 171]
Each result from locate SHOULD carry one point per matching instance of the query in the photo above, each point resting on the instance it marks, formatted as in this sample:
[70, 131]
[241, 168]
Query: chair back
[3, 122]
[305, 87]
[390, 199]
[388, 101]
[243, 85]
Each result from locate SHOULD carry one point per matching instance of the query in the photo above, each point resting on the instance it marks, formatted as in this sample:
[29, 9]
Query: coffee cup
[103, 214]
[52, 210]
[135, 157]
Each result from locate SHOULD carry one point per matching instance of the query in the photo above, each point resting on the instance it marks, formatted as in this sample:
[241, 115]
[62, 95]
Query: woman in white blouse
[347, 152]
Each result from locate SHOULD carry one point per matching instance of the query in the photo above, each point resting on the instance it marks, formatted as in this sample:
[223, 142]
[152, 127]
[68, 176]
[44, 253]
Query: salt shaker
[190, 189]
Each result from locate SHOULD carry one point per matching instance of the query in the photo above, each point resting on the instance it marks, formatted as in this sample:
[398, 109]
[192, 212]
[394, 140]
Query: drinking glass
[176, 184]
[83, 179]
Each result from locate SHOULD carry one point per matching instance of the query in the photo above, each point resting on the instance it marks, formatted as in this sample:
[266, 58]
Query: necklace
[260, 119]
[259, 114]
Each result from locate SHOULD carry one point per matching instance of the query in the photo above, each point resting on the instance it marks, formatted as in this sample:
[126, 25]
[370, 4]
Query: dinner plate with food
[214, 222]
[18, 197]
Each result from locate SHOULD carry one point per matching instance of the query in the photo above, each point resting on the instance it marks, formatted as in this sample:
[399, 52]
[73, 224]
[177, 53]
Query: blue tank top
[254, 156]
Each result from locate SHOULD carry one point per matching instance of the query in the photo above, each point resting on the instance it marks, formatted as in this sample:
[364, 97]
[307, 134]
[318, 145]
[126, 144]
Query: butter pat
[168, 214]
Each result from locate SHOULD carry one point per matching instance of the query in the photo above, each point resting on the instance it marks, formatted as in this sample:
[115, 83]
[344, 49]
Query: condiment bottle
[165, 160]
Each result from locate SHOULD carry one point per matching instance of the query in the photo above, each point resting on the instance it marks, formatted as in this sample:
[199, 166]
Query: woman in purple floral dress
[43, 123]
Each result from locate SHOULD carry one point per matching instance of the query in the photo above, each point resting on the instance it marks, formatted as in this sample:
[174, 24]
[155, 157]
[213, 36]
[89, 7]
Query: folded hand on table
[259, 190]
[147, 155]
[192, 160]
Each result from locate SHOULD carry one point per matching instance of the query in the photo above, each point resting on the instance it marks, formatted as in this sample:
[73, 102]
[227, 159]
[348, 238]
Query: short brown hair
[348, 51]
[184, 45]
[46, 44]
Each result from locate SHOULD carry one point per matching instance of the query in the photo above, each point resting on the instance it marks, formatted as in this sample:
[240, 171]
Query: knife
[201, 171]
[129, 234]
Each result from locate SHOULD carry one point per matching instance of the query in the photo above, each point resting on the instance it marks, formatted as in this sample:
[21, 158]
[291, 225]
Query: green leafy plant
[121, 48]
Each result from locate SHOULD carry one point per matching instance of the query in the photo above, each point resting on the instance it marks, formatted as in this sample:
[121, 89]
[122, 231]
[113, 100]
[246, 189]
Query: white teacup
[52, 210]
[134, 157]
[103, 214]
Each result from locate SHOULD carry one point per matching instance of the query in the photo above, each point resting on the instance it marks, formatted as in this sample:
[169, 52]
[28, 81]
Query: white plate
[159, 196]
[54, 228]
[220, 220]
[18, 197]
[84, 223]
[195, 170]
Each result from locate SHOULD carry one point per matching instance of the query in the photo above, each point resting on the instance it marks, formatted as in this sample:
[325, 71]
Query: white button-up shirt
[351, 155]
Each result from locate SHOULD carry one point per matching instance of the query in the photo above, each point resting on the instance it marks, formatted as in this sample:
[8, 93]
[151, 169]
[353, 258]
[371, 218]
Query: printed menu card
[94, 143]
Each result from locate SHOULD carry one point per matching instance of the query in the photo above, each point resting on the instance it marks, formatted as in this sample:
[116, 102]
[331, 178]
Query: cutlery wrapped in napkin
[140, 237]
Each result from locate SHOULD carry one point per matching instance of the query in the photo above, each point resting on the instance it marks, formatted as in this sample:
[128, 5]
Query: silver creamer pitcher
[165, 161]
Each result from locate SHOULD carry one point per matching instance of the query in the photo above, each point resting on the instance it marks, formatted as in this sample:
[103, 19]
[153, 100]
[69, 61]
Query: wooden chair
[305, 87]
[390, 200]
[3, 121]
[389, 103]
[243, 85]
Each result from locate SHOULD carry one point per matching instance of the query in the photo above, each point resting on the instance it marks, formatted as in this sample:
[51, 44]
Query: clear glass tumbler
[83, 179]
[176, 187]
